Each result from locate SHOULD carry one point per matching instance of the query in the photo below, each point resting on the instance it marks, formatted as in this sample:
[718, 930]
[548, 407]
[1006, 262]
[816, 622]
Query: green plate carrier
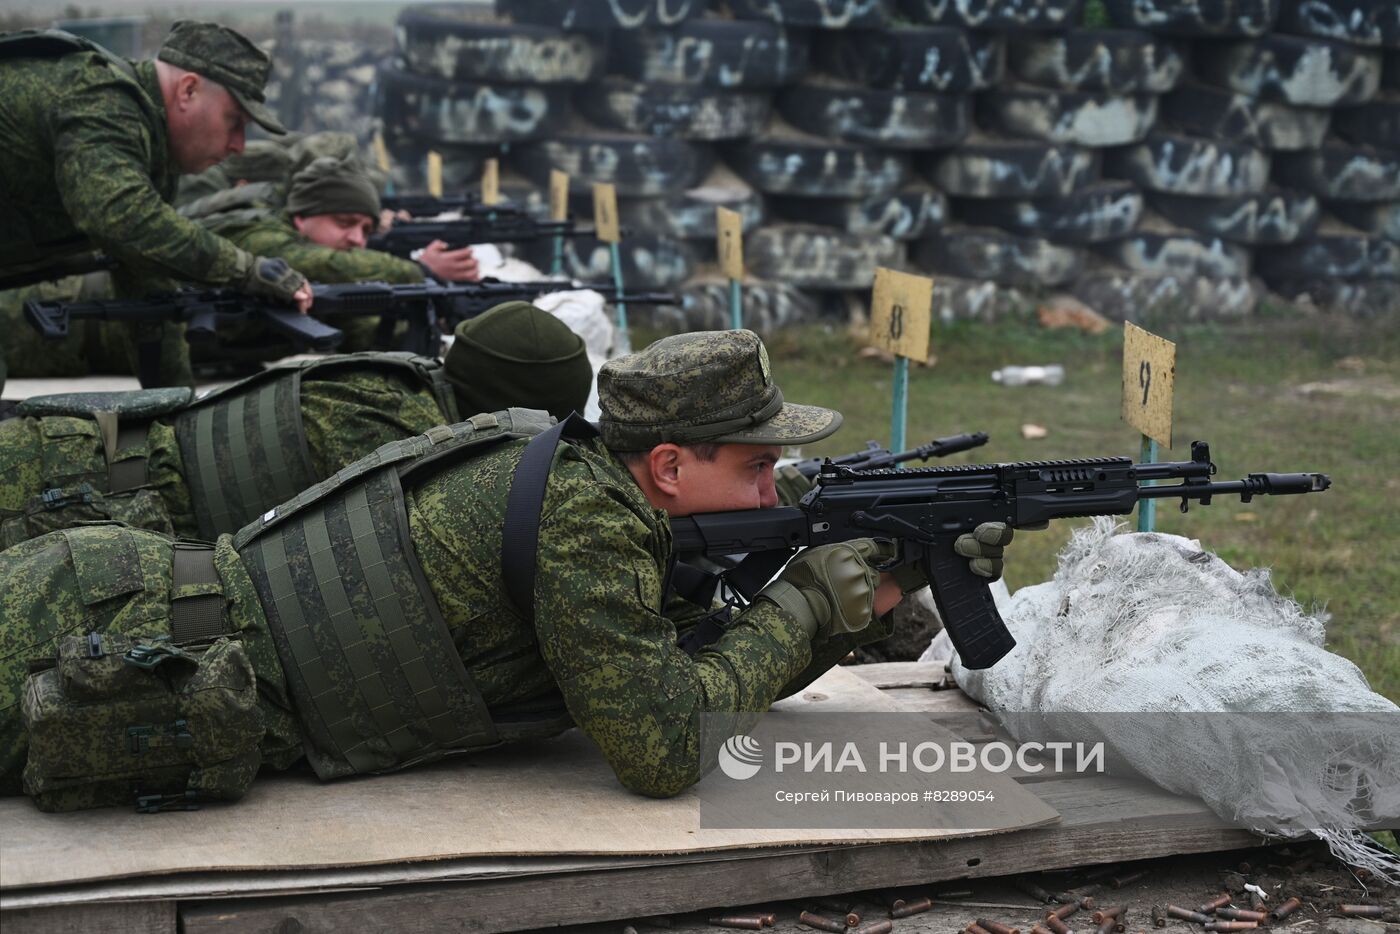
[376, 680]
[244, 446]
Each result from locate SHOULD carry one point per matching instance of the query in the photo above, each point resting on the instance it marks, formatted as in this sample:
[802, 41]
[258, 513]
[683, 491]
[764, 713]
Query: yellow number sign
[901, 308]
[491, 182]
[435, 173]
[558, 195]
[730, 242]
[1149, 380]
[605, 213]
[381, 153]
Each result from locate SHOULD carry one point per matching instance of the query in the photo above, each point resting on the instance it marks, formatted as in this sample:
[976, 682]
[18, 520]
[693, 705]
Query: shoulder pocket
[105, 562]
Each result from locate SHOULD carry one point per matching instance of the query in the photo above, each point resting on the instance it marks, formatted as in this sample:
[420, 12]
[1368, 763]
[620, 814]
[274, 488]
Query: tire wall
[1151, 157]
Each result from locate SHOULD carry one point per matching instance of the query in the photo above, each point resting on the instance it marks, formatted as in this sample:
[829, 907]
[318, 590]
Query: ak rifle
[875, 457]
[925, 509]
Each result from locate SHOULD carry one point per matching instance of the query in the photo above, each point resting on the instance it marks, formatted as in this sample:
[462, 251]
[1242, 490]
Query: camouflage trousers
[62, 454]
[112, 579]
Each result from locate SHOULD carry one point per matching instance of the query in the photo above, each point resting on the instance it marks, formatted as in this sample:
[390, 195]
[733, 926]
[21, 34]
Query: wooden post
[729, 229]
[901, 307]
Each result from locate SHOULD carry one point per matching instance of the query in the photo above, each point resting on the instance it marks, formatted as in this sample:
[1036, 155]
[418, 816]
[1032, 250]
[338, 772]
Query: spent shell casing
[1362, 911]
[1037, 929]
[1239, 914]
[1107, 927]
[876, 927]
[821, 923]
[840, 906]
[996, 927]
[1056, 924]
[1030, 888]
[974, 928]
[770, 919]
[852, 919]
[1220, 901]
[743, 922]
[1231, 925]
[1186, 914]
[1103, 914]
[915, 906]
[1159, 917]
[1064, 911]
[1286, 909]
[1256, 901]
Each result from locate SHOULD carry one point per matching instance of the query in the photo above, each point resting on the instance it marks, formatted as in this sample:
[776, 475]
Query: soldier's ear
[186, 88]
[664, 468]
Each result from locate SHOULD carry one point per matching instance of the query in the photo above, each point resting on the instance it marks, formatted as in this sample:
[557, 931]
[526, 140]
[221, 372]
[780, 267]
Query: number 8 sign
[901, 308]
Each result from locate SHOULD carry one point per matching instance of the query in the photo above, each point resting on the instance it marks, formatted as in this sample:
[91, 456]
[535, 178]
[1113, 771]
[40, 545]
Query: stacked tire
[1175, 158]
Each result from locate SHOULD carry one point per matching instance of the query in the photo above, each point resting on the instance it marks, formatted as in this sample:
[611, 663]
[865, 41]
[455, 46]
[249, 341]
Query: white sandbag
[1237, 700]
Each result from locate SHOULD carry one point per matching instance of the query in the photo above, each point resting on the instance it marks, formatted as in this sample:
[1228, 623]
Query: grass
[1237, 386]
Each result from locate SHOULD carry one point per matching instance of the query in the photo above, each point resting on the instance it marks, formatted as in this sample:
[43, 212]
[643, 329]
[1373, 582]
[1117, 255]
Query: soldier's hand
[833, 589]
[273, 278]
[790, 483]
[450, 265]
[303, 298]
[983, 547]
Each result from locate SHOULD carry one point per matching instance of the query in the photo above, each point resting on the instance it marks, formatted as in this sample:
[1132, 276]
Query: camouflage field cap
[220, 54]
[709, 386]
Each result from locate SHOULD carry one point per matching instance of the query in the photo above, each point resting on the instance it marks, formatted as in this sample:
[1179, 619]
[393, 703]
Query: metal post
[1147, 508]
[900, 413]
[558, 268]
[736, 305]
[623, 343]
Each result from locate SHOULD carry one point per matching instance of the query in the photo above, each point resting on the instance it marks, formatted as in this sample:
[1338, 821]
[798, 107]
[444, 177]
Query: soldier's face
[206, 124]
[739, 477]
[337, 231]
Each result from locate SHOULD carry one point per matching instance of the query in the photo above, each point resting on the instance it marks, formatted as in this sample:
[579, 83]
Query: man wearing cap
[376, 608]
[64, 462]
[92, 145]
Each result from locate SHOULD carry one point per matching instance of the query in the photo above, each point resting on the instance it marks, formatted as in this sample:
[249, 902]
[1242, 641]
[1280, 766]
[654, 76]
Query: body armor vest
[244, 446]
[372, 669]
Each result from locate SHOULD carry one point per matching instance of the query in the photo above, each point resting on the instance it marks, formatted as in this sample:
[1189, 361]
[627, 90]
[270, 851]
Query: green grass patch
[1279, 394]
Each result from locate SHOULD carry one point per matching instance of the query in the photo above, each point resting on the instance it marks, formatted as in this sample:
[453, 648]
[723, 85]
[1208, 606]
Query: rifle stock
[925, 509]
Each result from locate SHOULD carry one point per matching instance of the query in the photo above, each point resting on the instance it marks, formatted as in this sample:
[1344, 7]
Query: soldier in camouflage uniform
[141, 457]
[91, 146]
[378, 618]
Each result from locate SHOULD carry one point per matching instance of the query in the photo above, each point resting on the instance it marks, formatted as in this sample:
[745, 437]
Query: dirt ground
[1307, 871]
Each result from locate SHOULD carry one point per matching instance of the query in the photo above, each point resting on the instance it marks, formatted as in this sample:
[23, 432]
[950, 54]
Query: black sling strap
[520, 536]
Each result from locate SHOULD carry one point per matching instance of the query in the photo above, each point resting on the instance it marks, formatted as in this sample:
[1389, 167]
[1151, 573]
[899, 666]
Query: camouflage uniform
[350, 405]
[599, 641]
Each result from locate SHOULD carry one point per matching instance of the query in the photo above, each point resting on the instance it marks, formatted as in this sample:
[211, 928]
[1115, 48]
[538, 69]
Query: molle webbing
[374, 675]
[244, 451]
[198, 616]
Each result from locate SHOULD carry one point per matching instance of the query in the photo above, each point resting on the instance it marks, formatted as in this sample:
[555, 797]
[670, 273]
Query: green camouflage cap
[333, 186]
[220, 54]
[709, 386]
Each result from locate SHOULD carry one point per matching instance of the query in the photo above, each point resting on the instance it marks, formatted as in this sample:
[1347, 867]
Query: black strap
[130, 473]
[520, 536]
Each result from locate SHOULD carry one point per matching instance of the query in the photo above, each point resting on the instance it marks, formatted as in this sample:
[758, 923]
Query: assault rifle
[406, 236]
[429, 206]
[202, 310]
[875, 457]
[924, 509]
[429, 308]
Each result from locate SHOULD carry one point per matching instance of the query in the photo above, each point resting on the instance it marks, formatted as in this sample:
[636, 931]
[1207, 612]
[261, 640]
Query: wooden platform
[1104, 820]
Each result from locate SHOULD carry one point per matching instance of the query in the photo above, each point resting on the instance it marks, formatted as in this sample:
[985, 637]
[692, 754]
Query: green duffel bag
[114, 720]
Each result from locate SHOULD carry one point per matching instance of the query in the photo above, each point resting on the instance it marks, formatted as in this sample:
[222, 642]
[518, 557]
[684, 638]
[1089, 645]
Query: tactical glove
[831, 588]
[983, 547]
[272, 278]
[791, 484]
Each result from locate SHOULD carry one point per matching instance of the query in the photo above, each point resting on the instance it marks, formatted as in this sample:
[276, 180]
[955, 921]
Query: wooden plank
[1106, 821]
[924, 700]
[112, 918]
[900, 674]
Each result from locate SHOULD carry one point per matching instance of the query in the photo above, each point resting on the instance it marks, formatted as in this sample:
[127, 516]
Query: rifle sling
[117, 436]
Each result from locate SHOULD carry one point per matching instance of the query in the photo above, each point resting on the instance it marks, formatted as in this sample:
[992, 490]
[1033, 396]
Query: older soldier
[157, 461]
[375, 611]
[91, 146]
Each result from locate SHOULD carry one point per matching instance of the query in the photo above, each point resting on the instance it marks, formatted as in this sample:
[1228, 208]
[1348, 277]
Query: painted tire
[1360, 22]
[1011, 169]
[908, 214]
[649, 261]
[817, 257]
[441, 40]
[638, 165]
[1119, 61]
[818, 14]
[684, 111]
[690, 215]
[1095, 213]
[464, 113]
[1187, 165]
[1204, 18]
[1179, 253]
[1331, 256]
[1342, 173]
[1080, 118]
[603, 15]
[986, 254]
[1293, 70]
[876, 117]
[1374, 220]
[937, 59]
[1270, 217]
[1126, 296]
[816, 168]
[995, 14]
[1203, 110]
[1375, 123]
[717, 53]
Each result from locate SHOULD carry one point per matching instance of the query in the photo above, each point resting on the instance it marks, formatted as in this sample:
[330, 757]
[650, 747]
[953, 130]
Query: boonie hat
[708, 386]
[220, 54]
[518, 355]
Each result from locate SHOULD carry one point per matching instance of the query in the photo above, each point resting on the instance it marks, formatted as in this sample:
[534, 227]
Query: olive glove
[791, 484]
[831, 588]
[983, 548]
[272, 278]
